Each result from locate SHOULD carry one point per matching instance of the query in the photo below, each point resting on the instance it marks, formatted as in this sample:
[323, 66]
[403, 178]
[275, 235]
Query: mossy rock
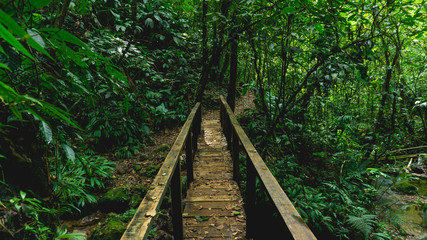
[140, 191]
[115, 200]
[150, 170]
[135, 201]
[163, 148]
[112, 229]
[405, 187]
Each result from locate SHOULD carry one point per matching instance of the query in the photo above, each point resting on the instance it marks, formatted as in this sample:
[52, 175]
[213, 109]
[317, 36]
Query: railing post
[189, 157]
[250, 197]
[227, 131]
[176, 194]
[235, 155]
[197, 127]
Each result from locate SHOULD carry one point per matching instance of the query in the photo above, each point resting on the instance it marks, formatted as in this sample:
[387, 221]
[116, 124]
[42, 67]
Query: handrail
[169, 174]
[257, 168]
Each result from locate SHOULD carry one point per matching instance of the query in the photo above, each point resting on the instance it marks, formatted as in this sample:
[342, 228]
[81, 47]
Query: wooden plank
[291, 217]
[141, 223]
[213, 206]
[207, 209]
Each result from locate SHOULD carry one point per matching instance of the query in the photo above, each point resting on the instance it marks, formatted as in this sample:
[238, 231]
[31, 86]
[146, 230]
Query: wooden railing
[168, 176]
[257, 168]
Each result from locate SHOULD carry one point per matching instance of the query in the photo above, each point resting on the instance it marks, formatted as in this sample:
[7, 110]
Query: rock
[405, 187]
[115, 200]
[112, 229]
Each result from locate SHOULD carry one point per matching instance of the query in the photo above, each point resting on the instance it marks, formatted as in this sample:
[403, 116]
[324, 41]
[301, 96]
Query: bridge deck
[213, 206]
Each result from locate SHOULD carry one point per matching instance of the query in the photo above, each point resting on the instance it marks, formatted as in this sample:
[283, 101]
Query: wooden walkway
[213, 206]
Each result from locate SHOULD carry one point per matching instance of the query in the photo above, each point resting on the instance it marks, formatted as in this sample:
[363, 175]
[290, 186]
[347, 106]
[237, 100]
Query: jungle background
[93, 92]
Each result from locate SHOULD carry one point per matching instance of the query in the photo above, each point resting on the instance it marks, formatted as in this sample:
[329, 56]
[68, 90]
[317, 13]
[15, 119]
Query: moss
[139, 193]
[150, 170]
[405, 187]
[135, 201]
[116, 199]
[163, 148]
[112, 229]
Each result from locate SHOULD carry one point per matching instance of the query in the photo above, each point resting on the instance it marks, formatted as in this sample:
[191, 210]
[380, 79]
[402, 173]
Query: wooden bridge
[213, 207]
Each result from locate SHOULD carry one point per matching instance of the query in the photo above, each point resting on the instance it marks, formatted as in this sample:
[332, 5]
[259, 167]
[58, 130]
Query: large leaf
[8, 37]
[14, 28]
[2, 65]
[36, 36]
[65, 36]
[288, 10]
[69, 152]
[47, 132]
[39, 3]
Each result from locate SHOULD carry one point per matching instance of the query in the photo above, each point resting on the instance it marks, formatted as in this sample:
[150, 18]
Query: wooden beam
[291, 217]
[141, 223]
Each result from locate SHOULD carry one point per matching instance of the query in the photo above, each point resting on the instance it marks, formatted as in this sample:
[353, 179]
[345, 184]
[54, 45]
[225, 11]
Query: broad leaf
[8, 37]
[65, 36]
[288, 10]
[14, 28]
[69, 152]
[47, 132]
[37, 4]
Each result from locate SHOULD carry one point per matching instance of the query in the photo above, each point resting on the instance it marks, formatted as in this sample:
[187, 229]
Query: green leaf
[319, 27]
[201, 218]
[36, 36]
[2, 65]
[8, 37]
[149, 22]
[288, 10]
[14, 28]
[69, 152]
[23, 194]
[11, 24]
[47, 132]
[37, 4]
[65, 36]
[2, 156]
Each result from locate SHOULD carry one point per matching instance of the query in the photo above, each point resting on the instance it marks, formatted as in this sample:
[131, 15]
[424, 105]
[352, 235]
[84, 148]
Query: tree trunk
[62, 14]
[231, 94]
[203, 77]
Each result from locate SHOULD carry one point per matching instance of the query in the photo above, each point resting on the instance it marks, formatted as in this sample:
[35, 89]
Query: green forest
[92, 93]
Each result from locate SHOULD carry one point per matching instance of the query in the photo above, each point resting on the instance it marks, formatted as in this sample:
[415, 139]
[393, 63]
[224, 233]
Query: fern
[365, 223]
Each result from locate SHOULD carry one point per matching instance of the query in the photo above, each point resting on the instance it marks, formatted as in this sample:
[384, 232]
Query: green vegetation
[340, 89]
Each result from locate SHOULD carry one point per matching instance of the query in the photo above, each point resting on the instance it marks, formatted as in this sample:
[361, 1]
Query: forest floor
[142, 168]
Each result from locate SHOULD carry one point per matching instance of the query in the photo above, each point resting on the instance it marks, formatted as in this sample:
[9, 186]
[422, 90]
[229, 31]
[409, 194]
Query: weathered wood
[176, 195]
[189, 158]
[291, 217]
[213, 206]
[141, 223]
[235, 155]
[250, 198]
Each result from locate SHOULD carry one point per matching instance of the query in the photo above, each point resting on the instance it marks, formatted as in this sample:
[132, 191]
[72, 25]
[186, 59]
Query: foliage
[33, 211]
[364, 223]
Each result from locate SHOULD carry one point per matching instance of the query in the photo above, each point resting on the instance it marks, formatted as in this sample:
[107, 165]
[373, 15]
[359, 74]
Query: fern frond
[365, 223]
